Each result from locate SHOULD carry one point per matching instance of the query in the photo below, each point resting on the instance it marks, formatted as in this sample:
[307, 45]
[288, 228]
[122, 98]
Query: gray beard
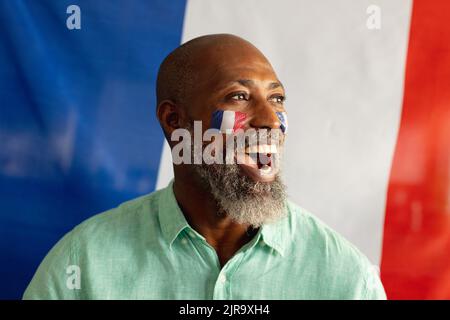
[240, 198]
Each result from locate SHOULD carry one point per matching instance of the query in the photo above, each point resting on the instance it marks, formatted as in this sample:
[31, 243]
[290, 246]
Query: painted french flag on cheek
[283, 121]
[228, 121]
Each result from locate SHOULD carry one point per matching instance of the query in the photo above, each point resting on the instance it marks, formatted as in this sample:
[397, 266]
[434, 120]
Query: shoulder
[98, 243]
[319, 234]
[337, 260]
[123, 220]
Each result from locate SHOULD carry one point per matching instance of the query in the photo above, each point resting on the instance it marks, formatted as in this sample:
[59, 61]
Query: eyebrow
[251, 83]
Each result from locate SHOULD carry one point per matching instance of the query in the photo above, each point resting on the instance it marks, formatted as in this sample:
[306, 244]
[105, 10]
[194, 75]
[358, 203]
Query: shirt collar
[172, 222]
[171, 218]
[276, 234]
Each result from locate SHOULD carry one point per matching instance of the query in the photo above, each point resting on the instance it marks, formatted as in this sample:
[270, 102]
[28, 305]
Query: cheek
[228, 121]
[282, 116]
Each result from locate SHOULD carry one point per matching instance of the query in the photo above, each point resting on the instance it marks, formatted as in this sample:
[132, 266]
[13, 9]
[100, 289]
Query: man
[218, 231]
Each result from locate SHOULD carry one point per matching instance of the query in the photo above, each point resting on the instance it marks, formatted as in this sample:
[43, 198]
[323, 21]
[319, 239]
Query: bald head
[181, 69]
[217, 72]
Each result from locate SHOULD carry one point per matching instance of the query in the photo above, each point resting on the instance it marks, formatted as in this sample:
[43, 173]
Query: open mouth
[259, 162]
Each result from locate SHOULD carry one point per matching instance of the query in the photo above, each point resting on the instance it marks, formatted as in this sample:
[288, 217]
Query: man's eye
[239, 96]
[278, 99]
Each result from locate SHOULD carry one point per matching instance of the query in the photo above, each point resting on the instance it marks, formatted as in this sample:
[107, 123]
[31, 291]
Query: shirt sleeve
[374, 289]
[58, 276]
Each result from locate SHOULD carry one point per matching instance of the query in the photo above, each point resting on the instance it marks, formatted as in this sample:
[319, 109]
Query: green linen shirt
[145, 249]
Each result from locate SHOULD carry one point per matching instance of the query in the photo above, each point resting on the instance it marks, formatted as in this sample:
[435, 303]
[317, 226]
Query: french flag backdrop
[368, 149]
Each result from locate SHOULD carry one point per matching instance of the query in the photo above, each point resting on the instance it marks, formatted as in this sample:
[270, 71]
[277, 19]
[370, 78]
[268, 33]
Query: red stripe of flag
[416, 246]
[239, 120]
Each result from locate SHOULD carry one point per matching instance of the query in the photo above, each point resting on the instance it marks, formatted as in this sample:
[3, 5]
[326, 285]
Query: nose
[264, 117]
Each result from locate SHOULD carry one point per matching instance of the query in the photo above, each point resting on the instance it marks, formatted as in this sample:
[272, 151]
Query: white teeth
[263, 148]
[265, 169]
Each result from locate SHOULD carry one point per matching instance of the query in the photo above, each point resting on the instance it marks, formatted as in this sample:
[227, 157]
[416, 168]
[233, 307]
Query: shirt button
[184, 241]
[222, 278]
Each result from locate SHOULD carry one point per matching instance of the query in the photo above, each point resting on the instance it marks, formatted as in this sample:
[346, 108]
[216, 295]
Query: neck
[201, 211]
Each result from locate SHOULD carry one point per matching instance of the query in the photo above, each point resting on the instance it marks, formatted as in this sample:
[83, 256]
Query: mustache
[251, 136]
[254, 137]
[263, 136]
[263, 145]
[256, 143]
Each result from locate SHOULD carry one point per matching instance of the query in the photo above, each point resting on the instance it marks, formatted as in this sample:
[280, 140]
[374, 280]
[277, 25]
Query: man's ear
[170, 117]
